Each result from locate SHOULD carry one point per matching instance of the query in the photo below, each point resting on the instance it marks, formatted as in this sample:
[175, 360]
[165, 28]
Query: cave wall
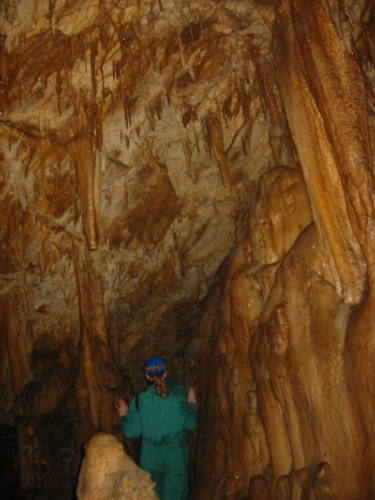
[193, 179]
[290, 318]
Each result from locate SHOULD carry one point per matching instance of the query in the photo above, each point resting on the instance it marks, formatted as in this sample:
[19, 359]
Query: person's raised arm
[122, 408]
[192, 397]
[191, 416]
[130, 419]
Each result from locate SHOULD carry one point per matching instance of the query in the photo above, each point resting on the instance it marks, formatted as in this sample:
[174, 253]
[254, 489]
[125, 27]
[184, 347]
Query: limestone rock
[107, 473]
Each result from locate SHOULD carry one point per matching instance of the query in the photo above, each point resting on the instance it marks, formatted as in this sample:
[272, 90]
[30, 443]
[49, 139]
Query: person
[162, 415]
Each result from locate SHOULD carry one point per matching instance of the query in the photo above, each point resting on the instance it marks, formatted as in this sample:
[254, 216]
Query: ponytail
[160, 386]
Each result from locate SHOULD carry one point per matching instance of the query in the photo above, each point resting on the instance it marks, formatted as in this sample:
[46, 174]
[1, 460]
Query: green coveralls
[163, 424]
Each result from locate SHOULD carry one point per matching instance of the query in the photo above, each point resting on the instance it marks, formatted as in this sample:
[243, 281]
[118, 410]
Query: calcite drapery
[324, 96]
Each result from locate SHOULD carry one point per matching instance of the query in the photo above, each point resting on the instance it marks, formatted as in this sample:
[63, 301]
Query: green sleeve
[131, 423]
[191, 417]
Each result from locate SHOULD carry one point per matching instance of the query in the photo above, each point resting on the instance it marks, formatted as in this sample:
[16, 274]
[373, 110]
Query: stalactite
[244, 146]
[99, 168]
[102, 80]
[70, 52]
[184, 64]
[52, 16]
[158, 106]
[99, 125]
[119, 93]
[90, 114]
[206, 139]
[118, 71]
[152, 54]
[266, 83]
[97, 309]
[235, 135]
[243, 98]
[127, 112]
[16, 247]
[150, 117]
[93, 54]
[83, 153]
[74, 95]
[114, 72]
[246, 71]
[368, 24]
[216, 139]
[58, 91]
[195, 137]
[20, 67]
[4, 75]
[104, 37]
[186, 146]
[335, 11]
[202, 282]
[82, 48]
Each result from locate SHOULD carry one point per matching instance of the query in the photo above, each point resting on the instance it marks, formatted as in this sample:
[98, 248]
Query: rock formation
[193, 179]
[107, 472]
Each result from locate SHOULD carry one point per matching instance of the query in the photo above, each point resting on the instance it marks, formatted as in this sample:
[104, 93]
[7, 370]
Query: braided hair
[160, 386]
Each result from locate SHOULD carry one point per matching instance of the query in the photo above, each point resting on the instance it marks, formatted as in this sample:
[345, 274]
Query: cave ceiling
[131, 135]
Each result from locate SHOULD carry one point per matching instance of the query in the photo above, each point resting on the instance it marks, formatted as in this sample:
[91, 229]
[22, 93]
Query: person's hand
[192, 397]
[122, 408]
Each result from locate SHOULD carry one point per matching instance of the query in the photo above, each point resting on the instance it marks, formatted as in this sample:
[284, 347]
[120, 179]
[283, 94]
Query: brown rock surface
[193, 179]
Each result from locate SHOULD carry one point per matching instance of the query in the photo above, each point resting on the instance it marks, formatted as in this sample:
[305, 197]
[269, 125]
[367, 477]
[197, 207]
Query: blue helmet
[155, 364]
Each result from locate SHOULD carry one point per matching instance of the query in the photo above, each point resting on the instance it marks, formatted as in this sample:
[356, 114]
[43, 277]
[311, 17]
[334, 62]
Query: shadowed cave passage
[8, 464]
[196, 180]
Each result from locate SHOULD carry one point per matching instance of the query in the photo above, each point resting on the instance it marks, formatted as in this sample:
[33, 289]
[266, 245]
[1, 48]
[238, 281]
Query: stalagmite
[107, 472]
[93, 340]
